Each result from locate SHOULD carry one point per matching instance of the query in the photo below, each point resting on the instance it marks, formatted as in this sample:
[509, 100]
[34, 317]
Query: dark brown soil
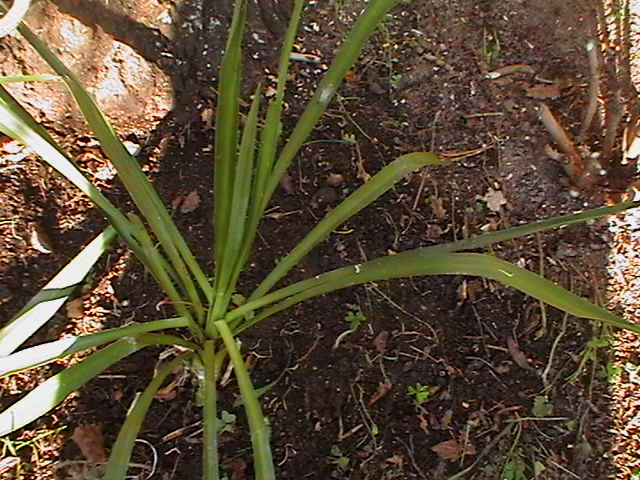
[343, 409]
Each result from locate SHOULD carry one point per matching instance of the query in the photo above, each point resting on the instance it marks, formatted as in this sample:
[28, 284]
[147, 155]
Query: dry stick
[574, 165]
[594, 86]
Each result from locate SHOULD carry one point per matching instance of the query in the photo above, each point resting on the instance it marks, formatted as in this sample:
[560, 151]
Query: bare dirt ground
[443, 376]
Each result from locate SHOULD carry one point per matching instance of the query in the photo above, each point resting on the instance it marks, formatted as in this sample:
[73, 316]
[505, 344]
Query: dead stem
[594, 86]
[574, 166]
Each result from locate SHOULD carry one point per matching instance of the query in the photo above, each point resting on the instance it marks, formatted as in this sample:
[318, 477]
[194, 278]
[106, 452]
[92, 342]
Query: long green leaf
[363, 196]
[17, 123]
[226, 135]
[466, 244]
[263, 461]
[45, 77]
[53, 391]
[232, 260]
[41, 354]
[121, 452]
[43, 306]
[424, 262]
[135, 181]
[343, 61]
[273, 122]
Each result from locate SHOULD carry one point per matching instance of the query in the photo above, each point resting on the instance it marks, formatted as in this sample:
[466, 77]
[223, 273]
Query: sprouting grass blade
[118, 463]
[348, 53]
[47, 352]
[263, 461]
[226, 134]
[41, 308]
[54, 390]
[362, 197]
[134, 180]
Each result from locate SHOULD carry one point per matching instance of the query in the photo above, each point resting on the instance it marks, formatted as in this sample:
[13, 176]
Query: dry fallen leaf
[495, 200]
[518, 355]
[190, 202]
[90, 441]
[75, 308]
[452, 450]
[437, 207]
[395, 460]
[543, 91]
[380, 342]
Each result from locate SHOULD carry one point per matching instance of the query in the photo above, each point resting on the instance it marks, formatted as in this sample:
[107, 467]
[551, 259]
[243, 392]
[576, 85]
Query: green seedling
[226, 422]
[354, 319]
[490, 49]
[395, 81]
[541, 407]
[420, 393]
[251, 155]
[609, 372]
[340, 459]
[590, 354]
[514, 469]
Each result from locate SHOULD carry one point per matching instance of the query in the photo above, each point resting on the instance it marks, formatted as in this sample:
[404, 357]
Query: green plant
[420, 393]
[339, 458]
[355, 319]
[248, 165]
[490, 49]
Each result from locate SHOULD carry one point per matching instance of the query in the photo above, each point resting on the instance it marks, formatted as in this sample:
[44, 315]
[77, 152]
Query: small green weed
[514, 469]
[541, 407]
[226, 422]
[355, 319]
[490, 49]
[420, 393]
[339, 458]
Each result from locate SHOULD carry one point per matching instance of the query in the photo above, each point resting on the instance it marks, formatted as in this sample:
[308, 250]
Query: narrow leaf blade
[41, 308]
[53, 391]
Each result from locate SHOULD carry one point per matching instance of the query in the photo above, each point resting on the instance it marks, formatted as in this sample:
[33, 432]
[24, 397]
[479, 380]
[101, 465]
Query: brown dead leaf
[543, 91]
[237, 467]
[446, 419]
[383, 389]
[75, 308]
[190, 202]
[380, 342]
[437, 207]
[395, 460]
[495, 200]
[451, 450]
[90, 441]
[518, 355]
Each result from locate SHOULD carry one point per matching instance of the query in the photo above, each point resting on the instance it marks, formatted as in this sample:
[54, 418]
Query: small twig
[461, 474]
[554, 346]
[594, 85]
[574, 165]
